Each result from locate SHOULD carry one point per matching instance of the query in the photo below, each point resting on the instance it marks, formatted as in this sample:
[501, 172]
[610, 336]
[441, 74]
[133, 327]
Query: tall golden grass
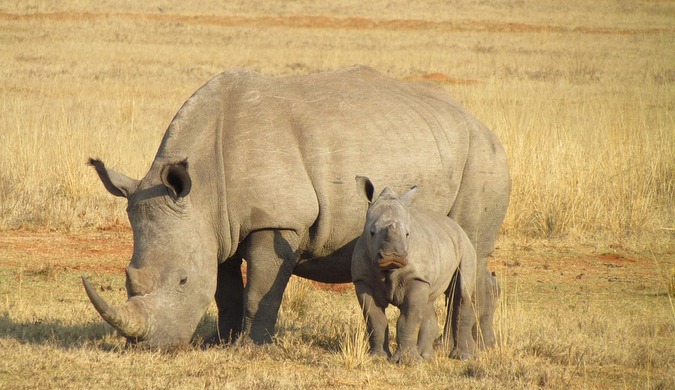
[584, 110]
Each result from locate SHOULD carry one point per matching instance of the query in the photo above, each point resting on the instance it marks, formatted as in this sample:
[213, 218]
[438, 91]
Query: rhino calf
[407, 256]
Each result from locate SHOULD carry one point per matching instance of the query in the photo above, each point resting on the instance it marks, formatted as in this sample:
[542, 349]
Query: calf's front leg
[408, 325]
[376, 320]
[428, 332]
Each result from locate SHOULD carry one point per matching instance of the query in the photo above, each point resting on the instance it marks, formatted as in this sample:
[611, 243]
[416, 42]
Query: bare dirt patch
[101, 252]
[583, 272]
[108, 252]
[442, 78]
[327, 22]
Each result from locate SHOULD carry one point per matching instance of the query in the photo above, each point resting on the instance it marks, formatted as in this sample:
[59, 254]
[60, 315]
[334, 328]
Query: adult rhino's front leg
[230, 300]
[270, 257]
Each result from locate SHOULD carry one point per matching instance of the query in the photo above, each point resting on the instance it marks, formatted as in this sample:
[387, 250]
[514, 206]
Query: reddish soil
[108, 252]
[443, 78]
[327, 22]
[104, 252]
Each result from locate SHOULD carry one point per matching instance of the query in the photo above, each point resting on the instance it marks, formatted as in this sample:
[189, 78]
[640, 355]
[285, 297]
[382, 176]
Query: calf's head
[386, 231]
[171, 278]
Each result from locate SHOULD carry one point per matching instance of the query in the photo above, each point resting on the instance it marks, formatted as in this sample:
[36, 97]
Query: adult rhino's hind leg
[479, 208]
[270, 257]
[230, 300]
[490, 296]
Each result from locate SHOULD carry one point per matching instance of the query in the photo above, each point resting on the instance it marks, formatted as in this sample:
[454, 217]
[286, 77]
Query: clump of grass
[354, 346]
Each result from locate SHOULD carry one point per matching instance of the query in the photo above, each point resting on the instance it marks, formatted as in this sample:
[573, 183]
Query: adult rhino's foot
[258, 337]
[427, 355]
[378, 353]
[216, 339]
[410, 356]
[460, 355]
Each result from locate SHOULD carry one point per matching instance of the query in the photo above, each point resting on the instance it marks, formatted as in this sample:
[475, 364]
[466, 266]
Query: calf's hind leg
[465, 345]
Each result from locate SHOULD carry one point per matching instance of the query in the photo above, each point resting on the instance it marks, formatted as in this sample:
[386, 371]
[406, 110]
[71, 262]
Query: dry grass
[553, 333]
[585, 111]
[582, 93]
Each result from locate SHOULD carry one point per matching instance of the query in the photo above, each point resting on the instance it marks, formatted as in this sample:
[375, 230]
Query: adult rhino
[261, 169]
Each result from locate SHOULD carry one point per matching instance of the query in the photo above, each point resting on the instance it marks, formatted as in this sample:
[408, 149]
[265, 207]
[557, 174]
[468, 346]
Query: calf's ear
[177, 180]
[365, 188]
[408, 197]
[116, 183]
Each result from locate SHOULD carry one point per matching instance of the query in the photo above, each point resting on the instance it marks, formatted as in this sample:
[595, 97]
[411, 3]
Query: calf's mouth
[390, 262]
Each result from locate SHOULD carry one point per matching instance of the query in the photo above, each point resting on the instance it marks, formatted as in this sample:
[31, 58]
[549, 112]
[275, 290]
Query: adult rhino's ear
[177, 180]
[365, 188]
[408, 197]
[116, 183]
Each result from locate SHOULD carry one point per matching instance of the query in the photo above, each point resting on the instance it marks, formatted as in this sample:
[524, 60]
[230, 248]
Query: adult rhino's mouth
[389, 262]
[137, 320]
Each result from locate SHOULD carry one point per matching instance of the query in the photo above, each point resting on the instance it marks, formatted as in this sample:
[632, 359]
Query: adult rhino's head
[386, 231]
[171, 278]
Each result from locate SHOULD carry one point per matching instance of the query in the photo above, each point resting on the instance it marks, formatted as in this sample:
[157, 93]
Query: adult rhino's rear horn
[128, 319]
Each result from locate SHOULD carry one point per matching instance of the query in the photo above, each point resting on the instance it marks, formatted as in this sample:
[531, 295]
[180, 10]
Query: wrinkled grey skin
[407, 256]
[260, 168]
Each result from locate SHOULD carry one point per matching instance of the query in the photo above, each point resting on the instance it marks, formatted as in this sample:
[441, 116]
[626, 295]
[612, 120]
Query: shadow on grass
[54, 333]
[96, 334]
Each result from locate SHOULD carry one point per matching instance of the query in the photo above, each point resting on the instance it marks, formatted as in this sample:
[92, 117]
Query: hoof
[378, 354]
[459, 355]
[428, 356]
[409, 357]
[212, 341]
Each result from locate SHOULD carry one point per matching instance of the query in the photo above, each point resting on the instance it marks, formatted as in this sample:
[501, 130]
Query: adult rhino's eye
[183, 281]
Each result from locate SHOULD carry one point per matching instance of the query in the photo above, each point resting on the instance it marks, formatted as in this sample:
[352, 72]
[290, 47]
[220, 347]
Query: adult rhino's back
[292, 146]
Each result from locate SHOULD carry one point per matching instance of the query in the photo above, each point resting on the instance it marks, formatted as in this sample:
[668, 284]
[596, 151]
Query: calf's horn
[128, 318]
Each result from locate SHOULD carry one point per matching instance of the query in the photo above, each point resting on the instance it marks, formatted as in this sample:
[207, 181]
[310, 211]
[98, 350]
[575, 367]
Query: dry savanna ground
[582, 94]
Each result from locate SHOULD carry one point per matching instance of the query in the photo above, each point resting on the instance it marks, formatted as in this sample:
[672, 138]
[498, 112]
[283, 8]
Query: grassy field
[582, 94]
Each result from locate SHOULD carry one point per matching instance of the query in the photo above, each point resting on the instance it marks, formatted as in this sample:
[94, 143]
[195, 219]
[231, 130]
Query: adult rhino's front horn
[129, 319]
